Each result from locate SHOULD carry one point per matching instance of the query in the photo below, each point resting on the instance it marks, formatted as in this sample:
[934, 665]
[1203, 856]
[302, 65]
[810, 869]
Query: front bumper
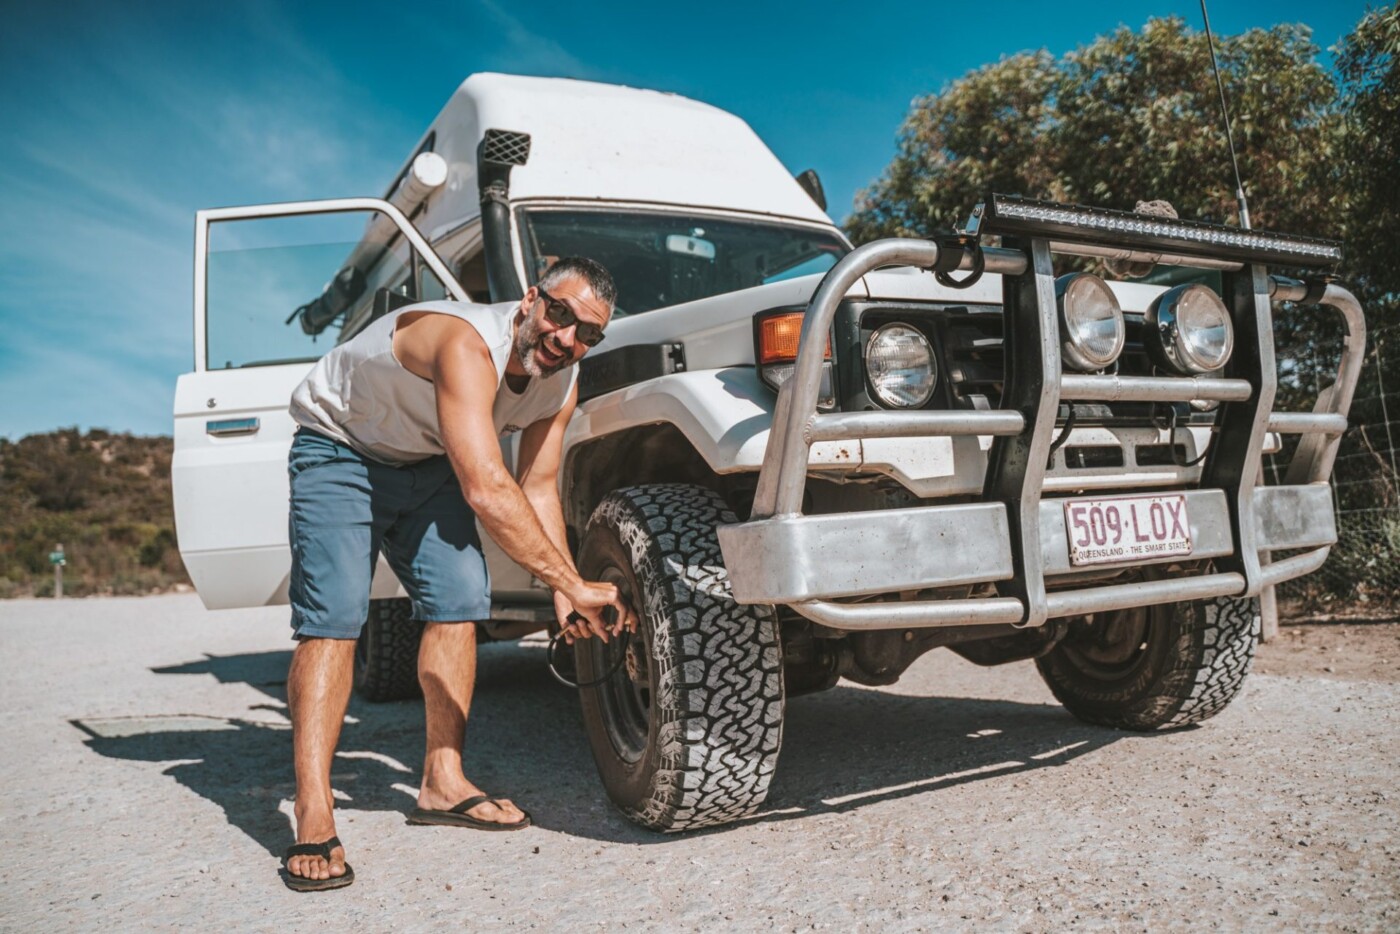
[1015, 539]
[804, 559]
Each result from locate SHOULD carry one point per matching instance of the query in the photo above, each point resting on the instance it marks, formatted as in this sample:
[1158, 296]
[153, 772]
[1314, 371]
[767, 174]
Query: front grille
[969, 343]
[973, 357]
[975, 364]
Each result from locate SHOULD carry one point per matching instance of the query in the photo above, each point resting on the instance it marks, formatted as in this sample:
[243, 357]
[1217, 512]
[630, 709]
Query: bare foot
[442, 795]
[316, 829]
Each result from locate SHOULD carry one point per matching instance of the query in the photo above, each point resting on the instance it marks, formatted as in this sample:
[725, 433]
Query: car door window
[286, 289]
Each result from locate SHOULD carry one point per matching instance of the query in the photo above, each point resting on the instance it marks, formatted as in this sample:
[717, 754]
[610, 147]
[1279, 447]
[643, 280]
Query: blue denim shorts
[346, 508]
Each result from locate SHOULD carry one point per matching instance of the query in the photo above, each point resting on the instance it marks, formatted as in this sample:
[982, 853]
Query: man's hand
[563, 609]
[587, 602]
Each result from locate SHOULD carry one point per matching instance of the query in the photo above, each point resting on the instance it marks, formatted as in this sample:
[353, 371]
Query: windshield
[659, 259]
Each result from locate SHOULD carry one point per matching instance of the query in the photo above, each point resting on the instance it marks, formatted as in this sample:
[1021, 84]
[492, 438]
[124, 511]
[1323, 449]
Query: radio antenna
[1225, 115]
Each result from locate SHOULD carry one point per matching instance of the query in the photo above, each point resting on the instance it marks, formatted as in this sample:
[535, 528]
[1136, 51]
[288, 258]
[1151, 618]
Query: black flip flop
[457, 816]
[323, 850]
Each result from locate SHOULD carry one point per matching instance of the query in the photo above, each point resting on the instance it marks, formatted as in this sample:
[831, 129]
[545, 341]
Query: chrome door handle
[232, 426]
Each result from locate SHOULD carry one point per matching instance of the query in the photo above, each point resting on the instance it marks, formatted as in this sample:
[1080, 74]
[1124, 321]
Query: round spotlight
[1090, 321]
[899, 363]
[1189, 330]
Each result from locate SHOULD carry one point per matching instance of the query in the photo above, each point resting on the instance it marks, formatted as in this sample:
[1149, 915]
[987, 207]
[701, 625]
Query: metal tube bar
[1282, 289]
[1316, 454]
[787, 445]
[993, 610]
[1241, 428]
[1016, 464]
[1306, 423]
[848, 425]
[999, 260]
[1161, 259]
[922, 615]
[1279, 571]
[1153, 389]
[1144, 593]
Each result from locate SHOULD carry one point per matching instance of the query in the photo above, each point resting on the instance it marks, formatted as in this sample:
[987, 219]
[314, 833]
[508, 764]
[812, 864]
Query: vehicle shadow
[842, 749]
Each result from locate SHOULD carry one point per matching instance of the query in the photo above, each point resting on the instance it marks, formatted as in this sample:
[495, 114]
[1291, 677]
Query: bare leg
[447, 671]
[318, 691]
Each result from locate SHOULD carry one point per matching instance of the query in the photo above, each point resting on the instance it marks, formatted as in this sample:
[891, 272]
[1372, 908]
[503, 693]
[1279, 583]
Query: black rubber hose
[624, 638]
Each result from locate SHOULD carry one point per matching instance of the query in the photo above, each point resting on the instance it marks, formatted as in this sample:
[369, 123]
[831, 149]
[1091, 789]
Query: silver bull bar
[1016, 539]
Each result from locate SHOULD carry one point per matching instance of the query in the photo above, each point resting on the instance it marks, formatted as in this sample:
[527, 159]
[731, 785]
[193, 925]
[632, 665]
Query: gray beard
[528, 337]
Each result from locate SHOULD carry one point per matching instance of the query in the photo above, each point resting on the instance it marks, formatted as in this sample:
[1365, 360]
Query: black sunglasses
[562, 316]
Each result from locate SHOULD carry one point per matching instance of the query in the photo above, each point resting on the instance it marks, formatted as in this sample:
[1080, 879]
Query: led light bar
[1017, 216]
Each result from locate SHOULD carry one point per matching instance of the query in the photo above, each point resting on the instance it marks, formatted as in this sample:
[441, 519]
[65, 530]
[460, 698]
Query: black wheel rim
[626, 697]
[1112, 646]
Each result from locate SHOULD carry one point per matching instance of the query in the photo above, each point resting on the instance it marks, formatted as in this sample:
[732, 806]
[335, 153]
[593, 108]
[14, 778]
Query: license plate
[1126, 528]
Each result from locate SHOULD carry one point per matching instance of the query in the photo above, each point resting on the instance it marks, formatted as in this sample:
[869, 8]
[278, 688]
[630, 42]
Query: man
[398, 451]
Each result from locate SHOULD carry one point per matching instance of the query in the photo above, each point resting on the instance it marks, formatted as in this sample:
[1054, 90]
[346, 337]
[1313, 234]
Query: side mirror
[813, 186]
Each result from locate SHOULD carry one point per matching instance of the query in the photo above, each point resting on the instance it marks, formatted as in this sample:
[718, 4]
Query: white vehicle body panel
[231, 492]
[592, 146]
[604, 143]
[233, 541]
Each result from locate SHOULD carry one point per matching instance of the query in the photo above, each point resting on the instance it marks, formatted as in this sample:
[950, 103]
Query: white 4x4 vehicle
[805, 462]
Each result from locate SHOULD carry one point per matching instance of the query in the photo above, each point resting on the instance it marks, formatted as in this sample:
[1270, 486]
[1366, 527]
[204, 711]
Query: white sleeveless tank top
[360, 395]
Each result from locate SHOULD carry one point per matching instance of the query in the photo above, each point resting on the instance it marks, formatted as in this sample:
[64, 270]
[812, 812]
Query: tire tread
[1212, 651]
[386, 661]
[720, 692]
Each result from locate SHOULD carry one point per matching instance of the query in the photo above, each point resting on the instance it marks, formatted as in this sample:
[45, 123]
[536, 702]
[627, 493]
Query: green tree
[105, 496]
[985, 131]
[1368, 61]
[1131, 116]
[1134, 115]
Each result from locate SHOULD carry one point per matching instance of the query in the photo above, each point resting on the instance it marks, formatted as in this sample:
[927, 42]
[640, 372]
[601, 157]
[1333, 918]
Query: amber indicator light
[778, 336]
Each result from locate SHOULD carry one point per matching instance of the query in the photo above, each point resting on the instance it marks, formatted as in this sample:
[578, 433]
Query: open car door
[275, 287]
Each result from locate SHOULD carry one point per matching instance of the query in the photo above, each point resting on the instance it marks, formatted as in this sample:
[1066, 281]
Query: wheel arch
[642, 454]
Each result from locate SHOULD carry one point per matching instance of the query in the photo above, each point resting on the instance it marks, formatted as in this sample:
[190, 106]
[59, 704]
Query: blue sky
[122, 119]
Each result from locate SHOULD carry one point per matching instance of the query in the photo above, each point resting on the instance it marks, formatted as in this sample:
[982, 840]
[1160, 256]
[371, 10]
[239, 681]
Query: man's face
[545, 348]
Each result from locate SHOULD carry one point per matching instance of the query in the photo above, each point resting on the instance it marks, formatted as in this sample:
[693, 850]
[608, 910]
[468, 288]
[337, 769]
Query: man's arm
[464, 378]
[541, 447]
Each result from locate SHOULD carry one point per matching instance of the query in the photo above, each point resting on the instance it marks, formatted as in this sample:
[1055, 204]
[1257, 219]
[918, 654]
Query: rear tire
[386, 655]
[1153, 668]
[686, 734]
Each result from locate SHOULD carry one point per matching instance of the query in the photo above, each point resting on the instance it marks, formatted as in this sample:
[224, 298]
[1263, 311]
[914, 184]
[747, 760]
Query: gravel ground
[148, 779]
[1348, 649]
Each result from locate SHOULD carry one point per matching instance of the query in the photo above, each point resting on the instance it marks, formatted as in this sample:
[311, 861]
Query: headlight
[1090, 320]
[1189, 330]
[899, 363]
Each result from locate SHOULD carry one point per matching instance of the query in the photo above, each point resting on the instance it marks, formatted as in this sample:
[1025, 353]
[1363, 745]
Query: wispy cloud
[530, 51]
[117, 149]
[505, 41]
[57, 384]
[121, 120]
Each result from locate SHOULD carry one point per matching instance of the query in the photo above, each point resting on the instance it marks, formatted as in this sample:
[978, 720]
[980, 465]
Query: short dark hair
[590, 271]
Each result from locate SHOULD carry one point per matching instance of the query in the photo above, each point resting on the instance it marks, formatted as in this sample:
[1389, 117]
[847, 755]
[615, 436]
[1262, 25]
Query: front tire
[386, 655]
[1156, 667]
[686, 734]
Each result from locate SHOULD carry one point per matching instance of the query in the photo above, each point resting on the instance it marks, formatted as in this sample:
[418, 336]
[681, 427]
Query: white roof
[606, 142]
